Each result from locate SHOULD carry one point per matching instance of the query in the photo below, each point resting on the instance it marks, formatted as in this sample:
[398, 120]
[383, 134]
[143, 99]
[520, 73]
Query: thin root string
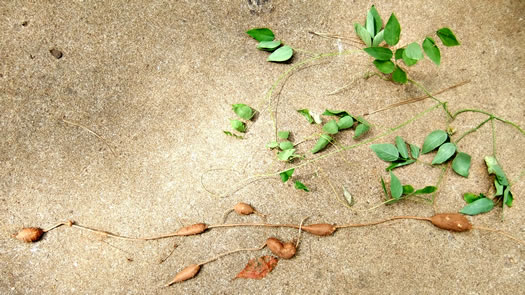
[253, 225]
[503, 233]
[92, 132]
[169, 254]
[300, 231]
[380, 221]
[232, 252]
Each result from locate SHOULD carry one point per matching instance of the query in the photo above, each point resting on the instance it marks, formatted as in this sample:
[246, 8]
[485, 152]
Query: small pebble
[56, 53]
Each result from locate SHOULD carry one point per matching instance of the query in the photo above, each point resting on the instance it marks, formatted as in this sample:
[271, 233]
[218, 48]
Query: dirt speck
[56, 53]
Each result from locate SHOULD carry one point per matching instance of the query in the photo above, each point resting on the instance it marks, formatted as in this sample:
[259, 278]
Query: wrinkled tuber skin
[285, 251]
[322, 229]
[30, 234]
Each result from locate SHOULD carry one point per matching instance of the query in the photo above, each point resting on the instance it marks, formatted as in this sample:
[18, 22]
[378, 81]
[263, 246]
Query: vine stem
[474, 129]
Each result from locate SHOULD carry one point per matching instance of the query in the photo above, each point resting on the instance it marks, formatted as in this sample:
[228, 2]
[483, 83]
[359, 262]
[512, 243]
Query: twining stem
[232, 252]
[493, 138]
[438, 184]
[475, 128]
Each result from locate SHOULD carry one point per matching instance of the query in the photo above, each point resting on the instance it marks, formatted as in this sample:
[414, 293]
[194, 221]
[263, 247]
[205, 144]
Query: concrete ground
[155, 81]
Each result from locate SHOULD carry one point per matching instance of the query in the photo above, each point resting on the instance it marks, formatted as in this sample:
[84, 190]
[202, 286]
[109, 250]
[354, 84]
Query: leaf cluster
[286, 147]
[332, 127]
[267, 42]
[297, 184]
[245, 113]
[399, 191]
[373, 35]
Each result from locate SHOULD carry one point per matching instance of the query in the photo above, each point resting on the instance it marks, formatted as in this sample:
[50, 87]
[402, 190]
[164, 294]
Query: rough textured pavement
[156, 80]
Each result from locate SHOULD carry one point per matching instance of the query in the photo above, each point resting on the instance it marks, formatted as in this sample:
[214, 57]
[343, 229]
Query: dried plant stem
[232, 252]
[300, 231]
[503, 233]
[253, 225]
[92, 132]
[381, 221]
[169, 254]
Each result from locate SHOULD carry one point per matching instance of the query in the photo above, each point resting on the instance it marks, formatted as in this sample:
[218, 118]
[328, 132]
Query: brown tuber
[193, 229]
[30, 234]
[243, 209]
[185, 274]
[285, 251]
[321, 229]
[451, 221]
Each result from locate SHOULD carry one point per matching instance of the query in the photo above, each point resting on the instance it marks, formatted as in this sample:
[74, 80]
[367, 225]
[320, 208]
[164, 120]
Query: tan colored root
[381, 221]
[232, 252]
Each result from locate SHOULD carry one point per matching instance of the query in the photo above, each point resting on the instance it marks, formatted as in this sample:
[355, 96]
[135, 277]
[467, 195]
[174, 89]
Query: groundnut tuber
[193, 229]
[322, 229]
[286, 250]
[30, 234]
[185, 274]
[451, 221]
[243, 209]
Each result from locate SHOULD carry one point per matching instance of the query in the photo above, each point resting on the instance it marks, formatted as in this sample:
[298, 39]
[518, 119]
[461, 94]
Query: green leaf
[269, 45]
[414, 51]
[426, 190]
[232, 135]
[378, 22]
[396, 189]
[431, 50]
[399, 75]
[499, 188]
[345, 122]
[445, 151]
[286, 175]
[408, 189]
[243, 111]
[272, 145]
[384, 187]
[399, 164]
[447, 37]
[379, 53]
[401, 147]
[283, 134]
[300, 185]
[494, 168]
[385, 151]
[477, 207]
[331, 127]
[337, 113]
[286, 145]
[323, 141]
[238, 125]
[282, 54]
[392, 31]
[261, 34]
[360, 130]
[369, 24]
[307, 115]
[414, 150]
[470, 197]
[363, 34]
[285, 155]
[384, 66]
[407, 60]
[378, 39]
[461, 164]
[507, 197]
[399, 53]
[433, 140]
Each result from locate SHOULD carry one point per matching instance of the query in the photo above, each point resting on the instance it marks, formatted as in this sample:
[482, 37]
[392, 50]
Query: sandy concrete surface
[156, 80]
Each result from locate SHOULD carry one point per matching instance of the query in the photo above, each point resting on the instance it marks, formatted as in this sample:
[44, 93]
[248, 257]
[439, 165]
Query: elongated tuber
[193, 229]
[321, 229]
[243, 209]
[451, 221]
[185, 274]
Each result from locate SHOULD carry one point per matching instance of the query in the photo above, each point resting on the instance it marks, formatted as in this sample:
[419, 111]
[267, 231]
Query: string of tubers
[454, 222]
